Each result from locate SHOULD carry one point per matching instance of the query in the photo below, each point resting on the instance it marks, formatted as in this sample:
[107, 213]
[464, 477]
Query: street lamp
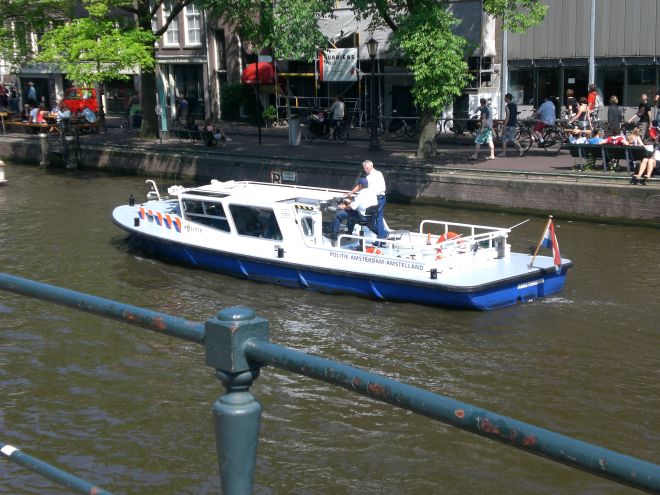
[372, 48]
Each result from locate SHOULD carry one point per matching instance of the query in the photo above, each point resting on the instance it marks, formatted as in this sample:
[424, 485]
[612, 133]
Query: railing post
[236, 414]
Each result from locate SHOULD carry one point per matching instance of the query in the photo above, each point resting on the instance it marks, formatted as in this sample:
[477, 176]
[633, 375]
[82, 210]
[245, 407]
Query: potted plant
[269, 115]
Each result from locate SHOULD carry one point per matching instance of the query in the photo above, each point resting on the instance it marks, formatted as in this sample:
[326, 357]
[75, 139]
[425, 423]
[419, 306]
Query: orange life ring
[373, 250]
[444, 237]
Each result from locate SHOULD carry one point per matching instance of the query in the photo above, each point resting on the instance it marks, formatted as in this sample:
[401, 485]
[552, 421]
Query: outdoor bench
[606, 153]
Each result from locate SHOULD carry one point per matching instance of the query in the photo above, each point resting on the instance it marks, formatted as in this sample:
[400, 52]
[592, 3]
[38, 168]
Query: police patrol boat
[280, 233]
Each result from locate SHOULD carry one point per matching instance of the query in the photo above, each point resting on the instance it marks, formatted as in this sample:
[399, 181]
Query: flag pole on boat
[538, 246]
[519, 224]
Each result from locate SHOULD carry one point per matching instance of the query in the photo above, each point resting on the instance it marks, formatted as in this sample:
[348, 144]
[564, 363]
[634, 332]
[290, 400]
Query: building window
[193, 25]
[641, 79]
[171, 37]
[220, 49]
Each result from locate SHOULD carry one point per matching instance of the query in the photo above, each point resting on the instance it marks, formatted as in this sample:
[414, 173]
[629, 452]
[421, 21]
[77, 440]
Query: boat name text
[531, 283]
[378, 261]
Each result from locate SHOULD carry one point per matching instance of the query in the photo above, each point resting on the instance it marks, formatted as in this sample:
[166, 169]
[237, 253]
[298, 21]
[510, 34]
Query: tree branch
[175, 12]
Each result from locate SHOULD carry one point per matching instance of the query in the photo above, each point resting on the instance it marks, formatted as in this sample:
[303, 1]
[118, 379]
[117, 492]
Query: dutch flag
[550, 241]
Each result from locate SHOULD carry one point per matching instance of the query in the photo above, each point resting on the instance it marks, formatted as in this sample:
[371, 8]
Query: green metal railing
[236, 346]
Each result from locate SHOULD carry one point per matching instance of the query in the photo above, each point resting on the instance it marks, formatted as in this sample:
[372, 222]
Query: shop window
[521, 86]
[610, 82]
[255, 222]
[641, 79]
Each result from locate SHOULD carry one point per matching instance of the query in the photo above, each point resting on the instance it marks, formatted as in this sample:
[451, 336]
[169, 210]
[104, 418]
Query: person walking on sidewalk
[644, 116]
[485, 134]
[510, 123]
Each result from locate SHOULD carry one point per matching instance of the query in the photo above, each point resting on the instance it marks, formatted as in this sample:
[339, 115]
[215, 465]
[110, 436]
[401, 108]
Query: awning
[266, 73]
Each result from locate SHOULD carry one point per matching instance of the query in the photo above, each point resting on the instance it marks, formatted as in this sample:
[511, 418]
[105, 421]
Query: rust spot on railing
[459, 413]
[529, 440]
[375, 389]
[159, 324]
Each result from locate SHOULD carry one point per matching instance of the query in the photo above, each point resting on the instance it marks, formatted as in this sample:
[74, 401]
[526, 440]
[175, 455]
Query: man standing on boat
[376, 183]
[354, 210]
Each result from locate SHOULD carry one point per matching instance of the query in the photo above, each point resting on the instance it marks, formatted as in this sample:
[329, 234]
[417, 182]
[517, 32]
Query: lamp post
[372, 48]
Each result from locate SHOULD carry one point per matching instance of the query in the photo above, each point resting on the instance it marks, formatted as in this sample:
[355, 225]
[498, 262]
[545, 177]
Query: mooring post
[236, 414]
[43, 140]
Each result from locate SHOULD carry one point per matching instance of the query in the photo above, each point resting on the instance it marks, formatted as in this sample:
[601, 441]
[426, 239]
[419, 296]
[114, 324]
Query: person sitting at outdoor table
[215, 132]
[634, 139]
[35, 116]
[582, 117]
[617, 140]
[89, 115]
[596, 138]
[355, 210]
[647, 165]
[546, 117]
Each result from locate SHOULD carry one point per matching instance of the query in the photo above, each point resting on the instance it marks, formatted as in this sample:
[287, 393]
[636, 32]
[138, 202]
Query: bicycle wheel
[553, 141]
[524, 137]
[451, 127]
[341, 133]
[380, 128]
[411, 129]
[309, 134]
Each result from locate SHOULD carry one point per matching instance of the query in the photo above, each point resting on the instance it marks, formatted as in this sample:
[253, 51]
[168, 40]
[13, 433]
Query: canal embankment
[536, 184]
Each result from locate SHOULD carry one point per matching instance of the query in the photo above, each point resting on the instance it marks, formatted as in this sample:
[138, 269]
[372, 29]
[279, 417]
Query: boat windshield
[255, 222]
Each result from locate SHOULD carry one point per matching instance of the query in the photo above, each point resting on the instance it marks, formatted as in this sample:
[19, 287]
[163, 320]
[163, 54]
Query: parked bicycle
[318, 126]
[397, 126]
[459, 127]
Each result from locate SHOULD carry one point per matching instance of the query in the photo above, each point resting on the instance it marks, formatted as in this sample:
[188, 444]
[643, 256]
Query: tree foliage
[92, 49]
[22, 22]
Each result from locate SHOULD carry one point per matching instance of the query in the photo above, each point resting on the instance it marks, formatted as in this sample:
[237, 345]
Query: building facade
[554, 56]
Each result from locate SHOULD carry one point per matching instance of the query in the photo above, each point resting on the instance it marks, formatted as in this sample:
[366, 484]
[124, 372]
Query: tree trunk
[149, 128]
[427, 147]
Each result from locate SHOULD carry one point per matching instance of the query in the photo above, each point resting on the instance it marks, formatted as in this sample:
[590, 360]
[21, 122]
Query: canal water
[131, 410]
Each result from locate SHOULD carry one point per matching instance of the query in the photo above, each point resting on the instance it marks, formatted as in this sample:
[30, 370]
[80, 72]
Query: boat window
[255, 222]
[207, 213]
[308, 226]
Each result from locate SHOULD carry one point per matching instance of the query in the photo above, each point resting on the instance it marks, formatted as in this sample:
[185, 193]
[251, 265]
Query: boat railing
[237, 347]
[461, 228]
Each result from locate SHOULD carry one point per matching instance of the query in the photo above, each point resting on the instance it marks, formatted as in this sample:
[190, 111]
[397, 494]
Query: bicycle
[398, 126]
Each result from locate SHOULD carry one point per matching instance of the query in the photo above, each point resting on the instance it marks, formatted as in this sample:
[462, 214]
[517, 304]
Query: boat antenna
[518, 224]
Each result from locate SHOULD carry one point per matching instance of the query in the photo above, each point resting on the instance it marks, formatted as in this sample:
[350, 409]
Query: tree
[423, 33]
[103, 38]
[95, 49]
[22, 22]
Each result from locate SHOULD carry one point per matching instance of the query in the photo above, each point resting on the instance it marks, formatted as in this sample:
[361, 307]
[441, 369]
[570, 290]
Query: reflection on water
[131, 410]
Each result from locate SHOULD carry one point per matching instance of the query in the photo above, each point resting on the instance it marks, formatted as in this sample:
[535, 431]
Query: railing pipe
[145, 318]
[591, 458]
[44, 469]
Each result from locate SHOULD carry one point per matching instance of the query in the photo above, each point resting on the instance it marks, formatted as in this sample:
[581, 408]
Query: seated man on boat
[355, 210]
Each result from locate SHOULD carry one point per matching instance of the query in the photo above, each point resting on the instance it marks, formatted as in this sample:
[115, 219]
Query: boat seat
[369, 220]
[396, 235]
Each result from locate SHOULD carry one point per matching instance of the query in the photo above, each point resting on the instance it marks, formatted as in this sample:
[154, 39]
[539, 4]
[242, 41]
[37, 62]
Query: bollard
[43, 140]
[69, 152]
[236, 414]
[2, 172]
